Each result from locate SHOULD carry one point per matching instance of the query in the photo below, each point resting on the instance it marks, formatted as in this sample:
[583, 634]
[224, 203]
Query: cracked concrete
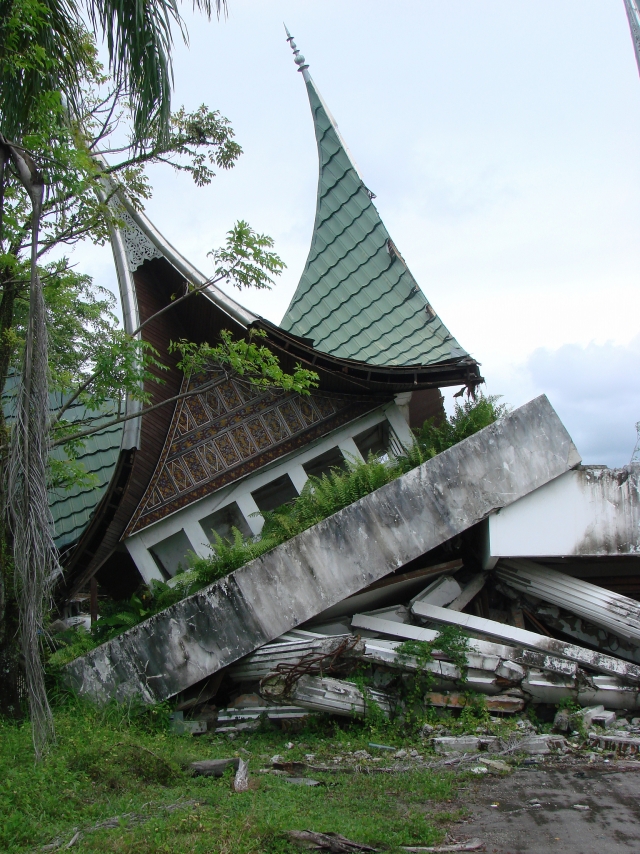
[504, 815]
[330, 561]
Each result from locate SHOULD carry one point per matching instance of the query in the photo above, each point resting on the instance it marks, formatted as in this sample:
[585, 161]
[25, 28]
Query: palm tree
[50, 38]
[46, 56]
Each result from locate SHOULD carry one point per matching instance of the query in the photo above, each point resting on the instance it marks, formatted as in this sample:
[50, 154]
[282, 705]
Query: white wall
[589, 511]
[188, 518]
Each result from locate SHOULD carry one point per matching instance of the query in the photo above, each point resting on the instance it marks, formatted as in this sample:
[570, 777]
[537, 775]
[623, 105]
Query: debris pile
[424, 594]
[302, 669]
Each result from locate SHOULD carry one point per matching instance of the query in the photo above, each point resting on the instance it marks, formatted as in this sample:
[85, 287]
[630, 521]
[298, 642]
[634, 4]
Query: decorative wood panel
[230, 429]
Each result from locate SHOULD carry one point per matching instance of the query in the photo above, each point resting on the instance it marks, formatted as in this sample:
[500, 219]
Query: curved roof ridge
[347, 224]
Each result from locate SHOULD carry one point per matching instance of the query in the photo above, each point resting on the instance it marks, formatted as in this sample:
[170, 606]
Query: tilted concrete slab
[512, 634]
[612, 611]
[330, 561]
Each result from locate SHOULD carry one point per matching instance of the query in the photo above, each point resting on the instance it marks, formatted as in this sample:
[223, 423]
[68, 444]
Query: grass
[109, 764]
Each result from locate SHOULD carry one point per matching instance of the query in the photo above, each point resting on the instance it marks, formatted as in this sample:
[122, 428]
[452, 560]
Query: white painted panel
[589, 511]
[147, 566]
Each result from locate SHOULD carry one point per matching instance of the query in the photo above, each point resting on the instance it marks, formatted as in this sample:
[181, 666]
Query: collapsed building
[228, 451]
[505, 535]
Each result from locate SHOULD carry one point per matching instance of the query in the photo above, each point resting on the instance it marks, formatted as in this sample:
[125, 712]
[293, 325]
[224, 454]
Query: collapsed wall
[330, 561]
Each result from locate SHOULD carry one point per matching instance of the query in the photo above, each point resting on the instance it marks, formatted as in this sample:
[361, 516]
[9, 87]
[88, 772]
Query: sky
[502, 140]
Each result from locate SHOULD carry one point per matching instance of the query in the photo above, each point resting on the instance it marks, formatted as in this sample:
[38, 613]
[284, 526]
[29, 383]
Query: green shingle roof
[72, 508]
[357, 298]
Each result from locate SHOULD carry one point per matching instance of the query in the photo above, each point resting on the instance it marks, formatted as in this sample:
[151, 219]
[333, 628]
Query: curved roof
[73, 508]
[357, 299]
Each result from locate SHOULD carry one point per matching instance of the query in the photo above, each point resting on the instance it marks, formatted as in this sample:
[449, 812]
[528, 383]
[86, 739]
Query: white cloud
[594, 389]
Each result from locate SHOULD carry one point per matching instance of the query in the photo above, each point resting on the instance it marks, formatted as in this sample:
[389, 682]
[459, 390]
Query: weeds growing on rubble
[121, 781]
[320, 498]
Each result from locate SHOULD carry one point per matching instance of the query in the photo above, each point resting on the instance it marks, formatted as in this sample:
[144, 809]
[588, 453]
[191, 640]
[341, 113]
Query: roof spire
[633, 15]
[356, 297]
[299, 59]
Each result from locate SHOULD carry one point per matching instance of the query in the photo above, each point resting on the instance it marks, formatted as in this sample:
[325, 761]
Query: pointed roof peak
[299, 59]
[357, 298]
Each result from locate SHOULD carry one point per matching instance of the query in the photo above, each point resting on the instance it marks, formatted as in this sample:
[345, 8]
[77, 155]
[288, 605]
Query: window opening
[275, 494]
[374, 441]
[223, 520]
[171, 554]
[333, 458]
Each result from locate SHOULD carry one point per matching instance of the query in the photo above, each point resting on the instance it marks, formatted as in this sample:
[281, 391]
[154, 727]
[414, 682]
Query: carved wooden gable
[230, 428]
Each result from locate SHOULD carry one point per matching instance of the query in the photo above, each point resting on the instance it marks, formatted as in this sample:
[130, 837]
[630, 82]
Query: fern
[320, 498]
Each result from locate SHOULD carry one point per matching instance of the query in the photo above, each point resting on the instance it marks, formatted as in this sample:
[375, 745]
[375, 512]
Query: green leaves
[205, 139]
[46, 50]
[467, 419]
[245, 357]
[245, 261]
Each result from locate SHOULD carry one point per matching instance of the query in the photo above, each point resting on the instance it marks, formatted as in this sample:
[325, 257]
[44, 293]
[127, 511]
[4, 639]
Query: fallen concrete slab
[323, 694]
[519, 655]
[614, 612]
[330, 561]
[584, 632]
[465, 744]
[587, 657]
[621, 745]
[494, 703]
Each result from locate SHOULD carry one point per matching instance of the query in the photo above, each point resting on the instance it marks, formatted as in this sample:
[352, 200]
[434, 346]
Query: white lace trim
[137, 245]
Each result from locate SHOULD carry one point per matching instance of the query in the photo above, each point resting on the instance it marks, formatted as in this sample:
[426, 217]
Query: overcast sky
[502, 139]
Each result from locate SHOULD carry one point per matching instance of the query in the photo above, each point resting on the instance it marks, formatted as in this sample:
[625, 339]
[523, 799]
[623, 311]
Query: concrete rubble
[338, 557]
[321, 623]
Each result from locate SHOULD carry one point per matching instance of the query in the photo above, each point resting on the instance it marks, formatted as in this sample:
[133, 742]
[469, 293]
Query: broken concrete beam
[323, 694]
[486, 674]
[585, 632]
[585, 690]
[541, 745]
[178, 725]
[586, 657]
[605, 718]
[519, 655]
[608, 691]
[271, 711]
[441, 592]
[588, 713]
[549, 687]
[619, 744]
[394, 588]
[497, 703]
[469, 592]
[616, 613]
[465, 744]
[331, 560]
[265, 660]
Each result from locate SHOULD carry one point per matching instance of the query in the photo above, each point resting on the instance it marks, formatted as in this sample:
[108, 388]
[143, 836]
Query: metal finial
[298, 57]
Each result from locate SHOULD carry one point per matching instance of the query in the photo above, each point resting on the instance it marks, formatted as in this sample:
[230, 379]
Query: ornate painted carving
[230, 429]
[137, 245]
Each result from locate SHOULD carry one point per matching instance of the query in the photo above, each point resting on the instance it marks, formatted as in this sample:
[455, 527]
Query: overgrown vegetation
[409, 691]
[320, 498]
[74, 145]
[113, 764]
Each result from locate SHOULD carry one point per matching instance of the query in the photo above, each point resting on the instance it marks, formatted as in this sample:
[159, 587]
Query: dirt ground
[533, 810]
